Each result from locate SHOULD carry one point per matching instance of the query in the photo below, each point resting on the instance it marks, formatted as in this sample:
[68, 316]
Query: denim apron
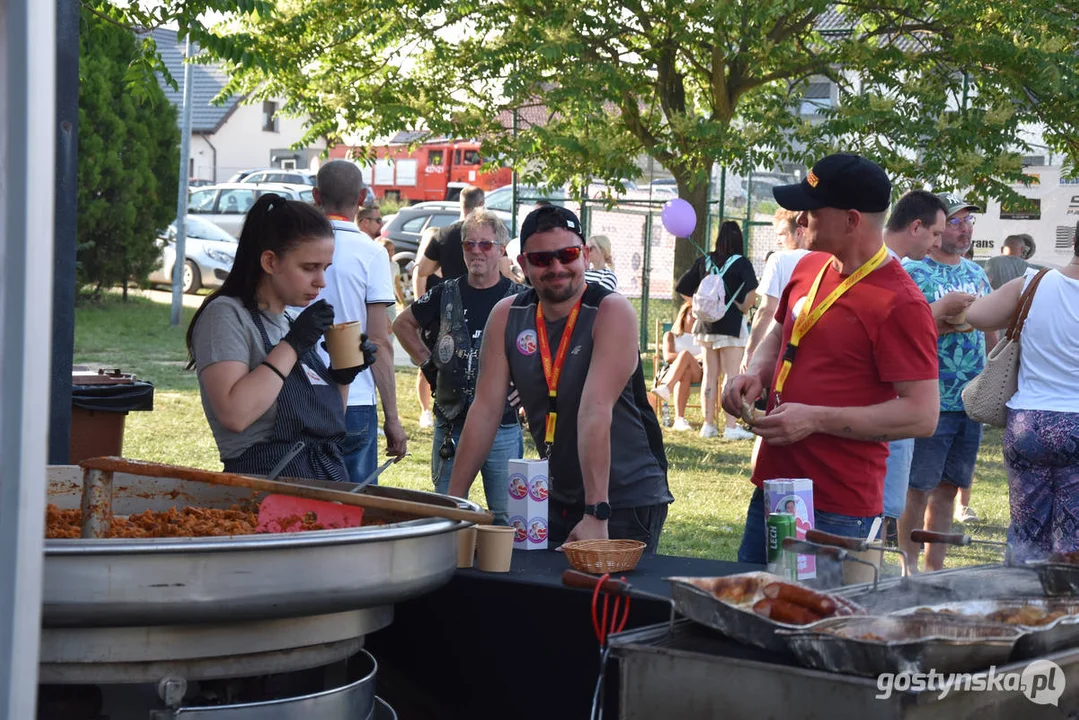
[307, 412]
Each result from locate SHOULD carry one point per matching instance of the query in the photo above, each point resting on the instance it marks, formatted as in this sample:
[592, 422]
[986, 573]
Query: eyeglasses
[484, 245]
[957, 221]
[565, 256]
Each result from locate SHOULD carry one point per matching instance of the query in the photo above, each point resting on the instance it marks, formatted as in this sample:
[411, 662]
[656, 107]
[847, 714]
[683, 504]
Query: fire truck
[435, 170]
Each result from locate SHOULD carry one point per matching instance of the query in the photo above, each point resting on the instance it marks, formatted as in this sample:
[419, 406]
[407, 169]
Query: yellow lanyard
[807, 318]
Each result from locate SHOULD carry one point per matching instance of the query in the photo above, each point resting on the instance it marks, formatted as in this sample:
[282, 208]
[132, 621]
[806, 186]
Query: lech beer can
[781, 525]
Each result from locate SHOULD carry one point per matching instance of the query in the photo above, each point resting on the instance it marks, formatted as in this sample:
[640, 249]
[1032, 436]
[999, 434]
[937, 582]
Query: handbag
[985, 396]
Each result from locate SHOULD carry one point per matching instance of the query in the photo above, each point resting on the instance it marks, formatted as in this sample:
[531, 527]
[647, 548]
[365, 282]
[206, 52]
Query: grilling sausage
[785, 612]
[814, 601]
[735, 590]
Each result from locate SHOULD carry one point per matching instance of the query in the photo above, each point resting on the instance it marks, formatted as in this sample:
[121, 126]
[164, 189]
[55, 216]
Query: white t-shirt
[360, 276]
[687, 342]
[1049, 362]
[778, 270]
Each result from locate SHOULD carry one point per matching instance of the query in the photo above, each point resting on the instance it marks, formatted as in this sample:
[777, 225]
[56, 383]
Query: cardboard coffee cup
[494, 548]
[466, 547]
[343, 345]
[856, 573]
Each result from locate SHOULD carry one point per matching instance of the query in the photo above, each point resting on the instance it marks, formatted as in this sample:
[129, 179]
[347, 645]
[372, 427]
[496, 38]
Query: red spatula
[287, 513]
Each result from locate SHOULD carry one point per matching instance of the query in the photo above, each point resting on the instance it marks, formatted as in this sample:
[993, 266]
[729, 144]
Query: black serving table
[516, 644]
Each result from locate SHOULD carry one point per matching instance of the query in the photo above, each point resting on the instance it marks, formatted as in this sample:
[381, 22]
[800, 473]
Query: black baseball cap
[844, 181]
[548, 217]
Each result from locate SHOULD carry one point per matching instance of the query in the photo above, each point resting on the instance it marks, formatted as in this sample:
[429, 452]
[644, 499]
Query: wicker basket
[603, 556]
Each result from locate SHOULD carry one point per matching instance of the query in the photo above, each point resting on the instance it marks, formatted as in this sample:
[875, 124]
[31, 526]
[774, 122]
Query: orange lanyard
[335, 216]
[552, 372]
[807, 318]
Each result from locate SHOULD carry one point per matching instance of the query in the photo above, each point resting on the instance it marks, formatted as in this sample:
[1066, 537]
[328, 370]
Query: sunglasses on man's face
[544, 258]
[484, 245]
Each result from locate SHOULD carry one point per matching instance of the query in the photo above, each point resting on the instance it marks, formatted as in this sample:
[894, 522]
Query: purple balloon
[679, 217]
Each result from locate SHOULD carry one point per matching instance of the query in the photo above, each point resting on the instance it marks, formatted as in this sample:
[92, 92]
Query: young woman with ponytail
[264, 389]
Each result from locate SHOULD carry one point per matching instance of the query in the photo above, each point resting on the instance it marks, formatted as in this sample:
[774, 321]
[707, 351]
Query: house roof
[206, 82]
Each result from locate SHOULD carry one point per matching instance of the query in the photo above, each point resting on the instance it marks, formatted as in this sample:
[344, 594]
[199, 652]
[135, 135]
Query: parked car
[227, 204]
[274, 175]
[406, 227]
[208, 252]
[527, 195]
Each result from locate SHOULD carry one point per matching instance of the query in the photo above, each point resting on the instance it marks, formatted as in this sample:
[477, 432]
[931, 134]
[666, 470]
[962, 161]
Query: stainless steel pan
[870, 646]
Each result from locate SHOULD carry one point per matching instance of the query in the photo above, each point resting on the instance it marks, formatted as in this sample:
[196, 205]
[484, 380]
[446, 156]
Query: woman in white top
[1041, 440]
[683, 357]
[600, 260]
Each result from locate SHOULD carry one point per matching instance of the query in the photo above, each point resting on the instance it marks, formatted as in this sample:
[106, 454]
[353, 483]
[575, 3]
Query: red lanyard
[553, 371]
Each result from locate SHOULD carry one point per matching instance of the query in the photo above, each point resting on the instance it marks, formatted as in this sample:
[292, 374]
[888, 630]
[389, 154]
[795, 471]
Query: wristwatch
[601, 510]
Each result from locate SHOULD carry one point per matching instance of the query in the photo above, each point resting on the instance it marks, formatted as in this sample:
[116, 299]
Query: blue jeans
[900, 453]
[509, 444]
[949, 455]
[754, 548]
[361, 442]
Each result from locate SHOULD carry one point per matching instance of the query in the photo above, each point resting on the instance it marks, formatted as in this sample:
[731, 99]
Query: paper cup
[466, 547]
[494, 548]
[857, 573]
[343, 345]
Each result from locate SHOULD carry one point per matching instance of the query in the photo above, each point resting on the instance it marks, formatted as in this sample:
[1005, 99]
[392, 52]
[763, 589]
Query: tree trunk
[686, 250]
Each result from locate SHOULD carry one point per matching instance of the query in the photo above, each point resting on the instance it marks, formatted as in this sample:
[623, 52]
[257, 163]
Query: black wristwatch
[601, 510]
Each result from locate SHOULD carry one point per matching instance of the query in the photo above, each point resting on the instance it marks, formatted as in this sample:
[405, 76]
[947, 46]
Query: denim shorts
[900, 454]
[949, 456]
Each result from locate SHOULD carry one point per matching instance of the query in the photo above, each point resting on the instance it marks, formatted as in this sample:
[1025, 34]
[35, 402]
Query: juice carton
[794, 496]
[529, 487]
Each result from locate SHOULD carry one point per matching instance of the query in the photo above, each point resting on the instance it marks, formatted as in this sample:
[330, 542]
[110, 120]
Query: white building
[234, 135]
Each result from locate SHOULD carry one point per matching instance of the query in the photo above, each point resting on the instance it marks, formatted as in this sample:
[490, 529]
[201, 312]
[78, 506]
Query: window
[434, 158]
[201, 201]
[1033, 160]
[456, 157]
[269, 116]
[817, 96]
[289, 164]
[472, 157]
[307, 196]
[440, 221]
[415, 225]
[235, 202]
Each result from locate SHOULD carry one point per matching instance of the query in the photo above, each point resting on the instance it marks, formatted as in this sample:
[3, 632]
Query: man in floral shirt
[945, 462]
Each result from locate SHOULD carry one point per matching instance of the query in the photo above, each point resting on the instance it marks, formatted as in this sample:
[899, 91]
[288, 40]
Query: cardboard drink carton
[794, 496]
[528, 489]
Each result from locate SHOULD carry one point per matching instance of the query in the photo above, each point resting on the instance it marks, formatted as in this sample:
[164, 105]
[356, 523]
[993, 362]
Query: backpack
[710, 303]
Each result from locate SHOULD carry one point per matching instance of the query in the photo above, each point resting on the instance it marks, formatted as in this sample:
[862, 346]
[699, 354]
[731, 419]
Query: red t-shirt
[879, 332]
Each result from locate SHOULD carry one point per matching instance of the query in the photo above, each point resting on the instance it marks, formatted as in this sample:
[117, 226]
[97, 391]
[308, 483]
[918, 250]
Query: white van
[1051, 221]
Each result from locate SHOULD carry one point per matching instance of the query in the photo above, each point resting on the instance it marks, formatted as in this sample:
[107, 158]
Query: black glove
[430, 372]
[345, 376]
[315, 320]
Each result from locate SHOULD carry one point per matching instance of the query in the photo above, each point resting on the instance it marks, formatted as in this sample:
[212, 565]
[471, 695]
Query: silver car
[226, 204]
[208, 251]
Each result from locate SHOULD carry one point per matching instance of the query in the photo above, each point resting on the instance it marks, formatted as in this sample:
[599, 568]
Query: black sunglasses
[544, 258]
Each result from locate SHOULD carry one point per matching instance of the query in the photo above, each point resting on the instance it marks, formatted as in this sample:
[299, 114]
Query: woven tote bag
[985, 396]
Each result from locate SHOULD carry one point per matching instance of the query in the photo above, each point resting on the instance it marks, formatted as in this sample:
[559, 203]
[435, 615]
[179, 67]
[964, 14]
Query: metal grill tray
[735, 620]
[909, 644]
[1058, 579]
[1037, 640]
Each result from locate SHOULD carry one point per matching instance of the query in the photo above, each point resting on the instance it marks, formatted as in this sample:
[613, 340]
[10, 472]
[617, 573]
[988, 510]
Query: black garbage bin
[100, 401]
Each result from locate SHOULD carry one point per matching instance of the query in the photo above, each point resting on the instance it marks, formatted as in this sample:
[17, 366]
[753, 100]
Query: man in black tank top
[573, 341]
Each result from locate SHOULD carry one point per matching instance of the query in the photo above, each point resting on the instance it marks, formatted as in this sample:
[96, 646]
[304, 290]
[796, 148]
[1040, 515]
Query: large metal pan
[1057, 579]
[112, 582]
[736, 619]
[870, 646]
[1036, 641]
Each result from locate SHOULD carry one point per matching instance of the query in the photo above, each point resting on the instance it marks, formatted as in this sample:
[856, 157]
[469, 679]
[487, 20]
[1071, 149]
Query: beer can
[780, 526]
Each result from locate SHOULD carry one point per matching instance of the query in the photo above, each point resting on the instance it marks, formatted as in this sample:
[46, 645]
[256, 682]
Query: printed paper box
[529, 487]
[794, 496]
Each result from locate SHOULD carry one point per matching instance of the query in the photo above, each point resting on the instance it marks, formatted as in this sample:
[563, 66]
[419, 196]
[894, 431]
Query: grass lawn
[709, 478]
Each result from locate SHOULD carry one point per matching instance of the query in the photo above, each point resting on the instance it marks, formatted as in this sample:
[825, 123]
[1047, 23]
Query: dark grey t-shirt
[225, 331]
[638, 463]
